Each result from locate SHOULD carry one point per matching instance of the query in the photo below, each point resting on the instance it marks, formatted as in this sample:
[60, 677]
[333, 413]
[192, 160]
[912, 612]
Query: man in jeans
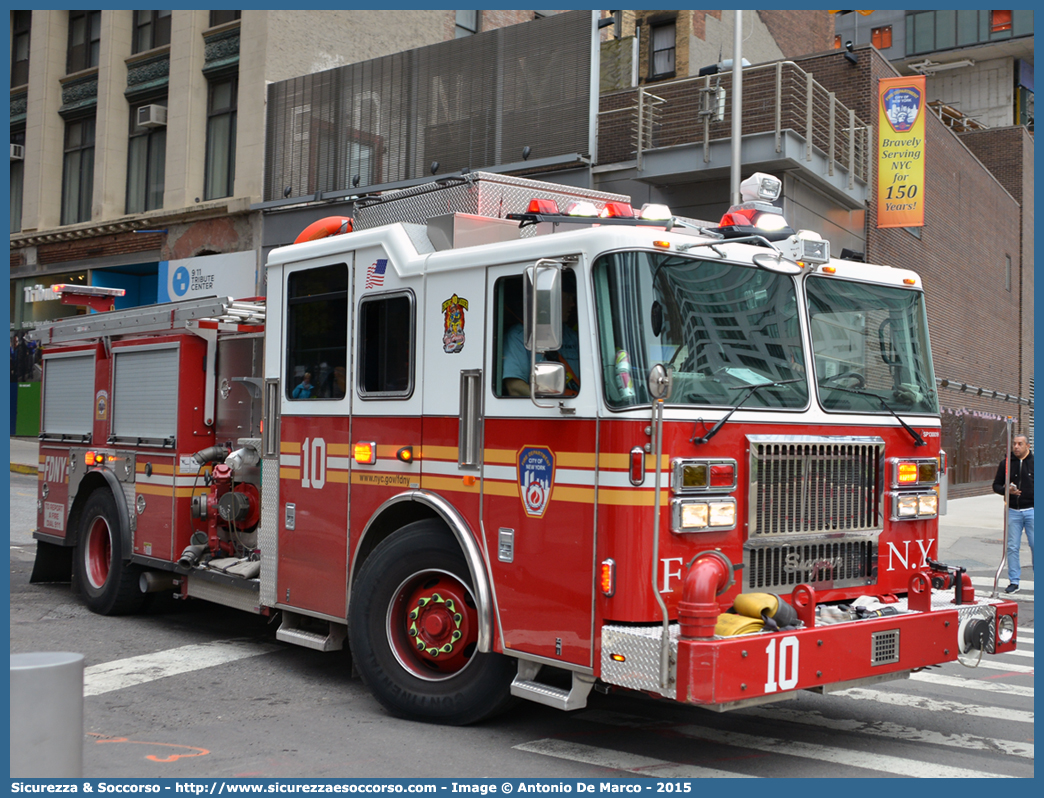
[1020, 504]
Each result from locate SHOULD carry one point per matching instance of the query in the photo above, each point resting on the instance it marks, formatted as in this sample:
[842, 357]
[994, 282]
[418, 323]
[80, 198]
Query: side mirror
[542, 295]
[549, 379]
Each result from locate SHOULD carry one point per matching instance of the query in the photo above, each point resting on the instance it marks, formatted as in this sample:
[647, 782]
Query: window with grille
[21, 24]
[467, 23]
[78, 171]
[151, 29]
[881, 38]
[662, 61]
[84, 40]
[1000, 20]
[221, 138]
[146, 163]
[221, 17]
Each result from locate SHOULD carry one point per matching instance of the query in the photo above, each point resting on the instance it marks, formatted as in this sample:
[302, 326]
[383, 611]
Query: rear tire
[413, 627]
[108, 584]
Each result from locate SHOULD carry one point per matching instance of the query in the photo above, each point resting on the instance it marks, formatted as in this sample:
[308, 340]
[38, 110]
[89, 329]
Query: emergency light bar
[584, 212]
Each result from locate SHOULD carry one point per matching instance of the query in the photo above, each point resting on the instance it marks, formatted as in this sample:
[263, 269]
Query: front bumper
[728, 673]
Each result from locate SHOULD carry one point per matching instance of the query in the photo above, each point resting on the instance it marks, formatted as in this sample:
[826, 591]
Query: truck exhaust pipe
[709, 575]
[155, 582]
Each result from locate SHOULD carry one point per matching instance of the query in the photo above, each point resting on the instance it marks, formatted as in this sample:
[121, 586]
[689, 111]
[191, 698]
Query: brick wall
[800, 32]
[98, 247]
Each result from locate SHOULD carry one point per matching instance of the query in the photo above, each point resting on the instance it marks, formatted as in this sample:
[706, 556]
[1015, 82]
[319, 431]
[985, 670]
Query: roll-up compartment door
[145, 393]
[68, 399]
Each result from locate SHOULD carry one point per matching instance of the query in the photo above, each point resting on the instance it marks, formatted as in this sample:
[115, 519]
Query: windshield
[872, 339]
[719, 327]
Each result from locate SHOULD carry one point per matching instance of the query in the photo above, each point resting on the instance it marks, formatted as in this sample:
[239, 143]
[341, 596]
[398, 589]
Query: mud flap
[53, 563]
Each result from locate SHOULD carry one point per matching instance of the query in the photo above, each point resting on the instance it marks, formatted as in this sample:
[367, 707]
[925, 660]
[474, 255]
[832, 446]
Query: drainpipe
[737, 106]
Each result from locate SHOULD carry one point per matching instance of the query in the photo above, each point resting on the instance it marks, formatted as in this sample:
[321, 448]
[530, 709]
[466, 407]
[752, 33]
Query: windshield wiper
[750, 392]
[918, 440]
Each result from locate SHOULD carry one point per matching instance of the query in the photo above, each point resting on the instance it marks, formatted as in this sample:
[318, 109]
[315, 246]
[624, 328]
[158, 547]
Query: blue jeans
[1018, 520]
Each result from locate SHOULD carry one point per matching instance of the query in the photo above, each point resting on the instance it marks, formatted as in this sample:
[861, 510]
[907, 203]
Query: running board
[290, 631]
[526, 686]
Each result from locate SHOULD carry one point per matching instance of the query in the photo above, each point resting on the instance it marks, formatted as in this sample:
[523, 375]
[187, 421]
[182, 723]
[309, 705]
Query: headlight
[693, 515]
[906, 506]
[915, 505]
[1005, 629]
[928, 504]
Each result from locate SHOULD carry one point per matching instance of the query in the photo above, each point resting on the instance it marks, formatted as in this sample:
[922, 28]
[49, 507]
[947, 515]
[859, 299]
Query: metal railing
[776, 97]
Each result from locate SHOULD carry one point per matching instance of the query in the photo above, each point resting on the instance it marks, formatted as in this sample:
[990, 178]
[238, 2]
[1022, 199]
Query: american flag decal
[375, 273]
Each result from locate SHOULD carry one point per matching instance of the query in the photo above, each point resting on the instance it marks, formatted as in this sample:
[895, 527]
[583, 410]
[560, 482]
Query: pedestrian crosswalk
[933, 725]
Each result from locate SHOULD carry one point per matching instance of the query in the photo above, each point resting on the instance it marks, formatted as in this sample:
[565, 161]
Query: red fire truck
[506, 438]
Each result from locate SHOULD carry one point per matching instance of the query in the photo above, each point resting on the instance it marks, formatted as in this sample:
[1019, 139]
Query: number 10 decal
[787, 675]
[313, 463]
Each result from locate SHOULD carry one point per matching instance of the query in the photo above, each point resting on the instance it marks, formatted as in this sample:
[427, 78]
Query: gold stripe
[157, 490]
[575, 460]
[439, 453]
[499, 456]
[623, 461]
[339, 449]
[289, 473]
[623, 497]
[509, 489]
[340, 477]
[455, 484]
[157, 468]
[562, 493]
[289, 447]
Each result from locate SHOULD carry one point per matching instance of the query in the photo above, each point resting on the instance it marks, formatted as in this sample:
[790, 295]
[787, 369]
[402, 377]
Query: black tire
[421, 569]
[109, 585]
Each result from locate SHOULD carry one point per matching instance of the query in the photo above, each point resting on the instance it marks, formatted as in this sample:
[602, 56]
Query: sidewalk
[969, 534]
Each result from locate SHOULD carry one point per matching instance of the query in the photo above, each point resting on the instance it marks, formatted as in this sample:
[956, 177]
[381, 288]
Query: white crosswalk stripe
[115, 675]
[972, 684]
[620, 760]
[936, 705]
[874, 761]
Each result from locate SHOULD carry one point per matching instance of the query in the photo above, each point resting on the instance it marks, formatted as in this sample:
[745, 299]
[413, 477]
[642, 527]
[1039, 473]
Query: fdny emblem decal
[902, 104]
[101, 406]
[453, 327]
[536, 474]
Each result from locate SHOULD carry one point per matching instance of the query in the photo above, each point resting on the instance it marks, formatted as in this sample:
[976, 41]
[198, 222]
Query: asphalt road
[256, 707]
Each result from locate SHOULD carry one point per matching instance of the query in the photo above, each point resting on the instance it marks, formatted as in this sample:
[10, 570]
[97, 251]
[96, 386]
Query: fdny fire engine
[505, 438]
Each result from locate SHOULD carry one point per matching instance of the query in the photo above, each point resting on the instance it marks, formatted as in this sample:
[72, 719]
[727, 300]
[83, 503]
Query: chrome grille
[884, 647]
[822, 565]
[808, 484]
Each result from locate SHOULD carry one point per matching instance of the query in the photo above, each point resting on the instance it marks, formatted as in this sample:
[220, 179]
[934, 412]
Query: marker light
[909, 281]
[607, 577]
[365, 453]
[622, 658]
[698, 476]
[915, 472]
[617, 210]
[655, 212]
[581, 208]
[830, 269]
[662, 244]
[637, 470]
[544, 207]
[95, 458]
[405, 454]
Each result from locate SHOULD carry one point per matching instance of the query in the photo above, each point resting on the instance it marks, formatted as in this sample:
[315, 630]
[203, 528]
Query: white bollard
[47, 715]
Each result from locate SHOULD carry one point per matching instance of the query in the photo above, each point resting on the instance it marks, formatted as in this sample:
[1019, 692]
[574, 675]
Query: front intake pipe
[709, 575]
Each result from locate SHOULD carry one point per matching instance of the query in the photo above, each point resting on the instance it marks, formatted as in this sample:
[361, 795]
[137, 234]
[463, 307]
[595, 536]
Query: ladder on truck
[220, 313]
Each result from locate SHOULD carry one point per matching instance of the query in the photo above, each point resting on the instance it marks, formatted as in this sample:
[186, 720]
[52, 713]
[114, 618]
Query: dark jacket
[1022, 475]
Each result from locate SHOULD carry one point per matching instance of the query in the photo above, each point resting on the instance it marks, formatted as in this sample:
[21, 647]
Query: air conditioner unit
[152, 116]
[17, 152]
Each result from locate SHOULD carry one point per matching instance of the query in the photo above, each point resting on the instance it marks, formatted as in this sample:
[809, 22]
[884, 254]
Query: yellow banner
[902, 106]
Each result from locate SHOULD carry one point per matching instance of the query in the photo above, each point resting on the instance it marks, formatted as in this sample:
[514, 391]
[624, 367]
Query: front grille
[809, 484]
[884, 647]
[821, 565]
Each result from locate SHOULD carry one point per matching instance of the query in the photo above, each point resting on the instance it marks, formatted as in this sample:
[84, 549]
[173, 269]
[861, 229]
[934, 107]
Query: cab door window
[317, 333]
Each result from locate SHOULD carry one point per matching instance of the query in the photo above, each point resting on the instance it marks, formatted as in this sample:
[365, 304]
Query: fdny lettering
[55, 469]
[668, 573]
[904, 556]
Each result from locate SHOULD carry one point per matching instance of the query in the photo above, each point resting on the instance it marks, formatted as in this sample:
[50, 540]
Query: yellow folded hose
[752, 612]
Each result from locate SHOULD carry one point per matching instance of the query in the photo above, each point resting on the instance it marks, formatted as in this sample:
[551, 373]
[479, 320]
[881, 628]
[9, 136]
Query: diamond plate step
[289, 631]
[526, 686]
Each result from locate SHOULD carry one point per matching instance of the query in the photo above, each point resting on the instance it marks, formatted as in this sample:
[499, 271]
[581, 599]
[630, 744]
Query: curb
[19, 468]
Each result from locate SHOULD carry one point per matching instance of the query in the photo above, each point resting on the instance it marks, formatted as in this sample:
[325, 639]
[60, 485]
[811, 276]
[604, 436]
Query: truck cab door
[538, 479]
[314, 434]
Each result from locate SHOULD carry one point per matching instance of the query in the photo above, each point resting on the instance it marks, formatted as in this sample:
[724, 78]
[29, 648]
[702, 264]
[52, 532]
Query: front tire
[109, 586]
[413, 628]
